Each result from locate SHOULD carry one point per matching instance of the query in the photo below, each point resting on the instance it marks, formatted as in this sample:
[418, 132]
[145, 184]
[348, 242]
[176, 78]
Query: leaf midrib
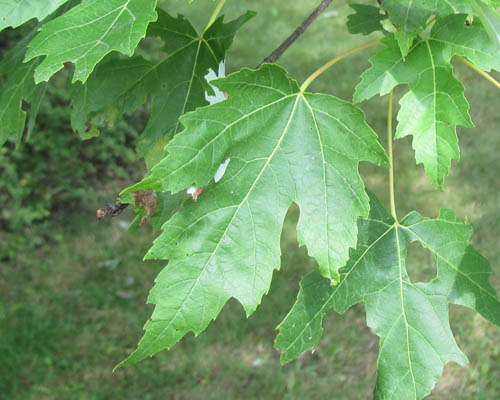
[244, 200]
[208, 143]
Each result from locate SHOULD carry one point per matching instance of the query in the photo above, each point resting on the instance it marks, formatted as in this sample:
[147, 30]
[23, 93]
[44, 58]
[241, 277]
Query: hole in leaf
[420, 263]
[294, 258]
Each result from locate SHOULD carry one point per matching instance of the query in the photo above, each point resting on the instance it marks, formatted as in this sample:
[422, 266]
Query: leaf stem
[215, 14]
[334, 61]
[484, 74]
[391, 157]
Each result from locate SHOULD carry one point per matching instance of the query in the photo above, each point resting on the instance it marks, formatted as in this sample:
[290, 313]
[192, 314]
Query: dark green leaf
[365, 20]
[18, 86]
[177, 83]
[411, 318]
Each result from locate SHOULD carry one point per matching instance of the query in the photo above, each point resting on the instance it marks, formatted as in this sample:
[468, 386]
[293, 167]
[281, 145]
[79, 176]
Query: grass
[70, 311]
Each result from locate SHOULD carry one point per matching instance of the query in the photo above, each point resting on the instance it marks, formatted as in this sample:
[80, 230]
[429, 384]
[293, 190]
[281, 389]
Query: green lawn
[70, 311]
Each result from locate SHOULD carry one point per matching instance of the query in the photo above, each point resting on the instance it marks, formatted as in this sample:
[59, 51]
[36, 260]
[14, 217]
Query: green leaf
[435, 104]
[411, 318]
[490, 18]
[16, 12]
[36, 101]
[365, 20]
[405, 40]
[166, 205]
[17, 87]
[176, 83]
[89, 31]
[284, 146]
[470, 41]
[411, 16]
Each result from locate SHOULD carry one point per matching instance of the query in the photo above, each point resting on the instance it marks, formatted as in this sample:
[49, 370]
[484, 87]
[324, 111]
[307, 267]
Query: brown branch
[297, 33]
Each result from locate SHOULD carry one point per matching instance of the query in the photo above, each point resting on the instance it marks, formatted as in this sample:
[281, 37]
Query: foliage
[281, 144]
[15, 13]
[179, 92]
[320, 130]
[435, 103]
[50, 174]
[410, 318]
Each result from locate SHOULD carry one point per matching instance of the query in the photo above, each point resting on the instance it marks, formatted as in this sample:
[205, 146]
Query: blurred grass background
[73, 307]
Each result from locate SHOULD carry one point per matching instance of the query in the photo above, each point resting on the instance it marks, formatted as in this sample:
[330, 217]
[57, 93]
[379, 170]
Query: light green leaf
[411, 16]
[432, 110]
[405, 40]
[284, 146]
[411, 318]
[365, 20]
[176, 83]
[16, 12]
[435, 104]
[89, 31]
[490, 18]
[470, 41]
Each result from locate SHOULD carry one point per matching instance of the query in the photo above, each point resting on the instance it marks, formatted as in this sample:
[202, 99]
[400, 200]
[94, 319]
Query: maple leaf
[365, 20]
[412, 319]
[489, 16]
[16, 12]
[411, 16]
[18, 87]
[435, 104]
[176, 83]
[285, 146]
[89, 31]
[158, 208]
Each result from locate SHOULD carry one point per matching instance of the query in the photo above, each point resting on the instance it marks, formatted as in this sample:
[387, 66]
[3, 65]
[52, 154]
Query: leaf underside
[410, 318]
[284, 146]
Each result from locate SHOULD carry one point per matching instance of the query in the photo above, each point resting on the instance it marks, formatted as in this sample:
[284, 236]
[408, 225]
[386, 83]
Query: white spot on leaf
[210, 76]
[221, 170]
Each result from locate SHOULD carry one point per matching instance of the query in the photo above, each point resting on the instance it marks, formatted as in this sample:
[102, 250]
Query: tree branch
[297, 33]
